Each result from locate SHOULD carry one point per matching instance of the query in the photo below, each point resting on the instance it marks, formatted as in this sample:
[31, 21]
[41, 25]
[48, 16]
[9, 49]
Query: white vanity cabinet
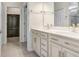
[53, 45]
[36, 41]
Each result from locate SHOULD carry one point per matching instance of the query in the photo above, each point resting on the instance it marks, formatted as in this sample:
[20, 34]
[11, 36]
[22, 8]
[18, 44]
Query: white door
[36, 43]
[54, 50]
[70, 53]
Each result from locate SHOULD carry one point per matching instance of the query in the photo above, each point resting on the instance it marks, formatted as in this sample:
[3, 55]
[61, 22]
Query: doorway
[13, 27]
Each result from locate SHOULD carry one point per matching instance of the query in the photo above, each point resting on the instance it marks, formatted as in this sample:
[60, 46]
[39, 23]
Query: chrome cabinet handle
[54, 39]
[67, 43]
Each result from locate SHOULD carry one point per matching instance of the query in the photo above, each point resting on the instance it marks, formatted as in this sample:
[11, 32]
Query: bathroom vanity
[52, 43]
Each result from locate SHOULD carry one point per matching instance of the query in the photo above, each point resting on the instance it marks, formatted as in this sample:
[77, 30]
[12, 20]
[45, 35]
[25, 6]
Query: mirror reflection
[66, 14]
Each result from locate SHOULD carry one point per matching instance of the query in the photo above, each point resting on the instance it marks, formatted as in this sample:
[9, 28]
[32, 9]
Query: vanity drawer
[43, 53]
[72, 45]
[43, 35]
[56, 39]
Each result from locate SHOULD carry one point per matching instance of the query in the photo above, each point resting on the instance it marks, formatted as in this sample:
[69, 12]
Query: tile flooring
[16, 49]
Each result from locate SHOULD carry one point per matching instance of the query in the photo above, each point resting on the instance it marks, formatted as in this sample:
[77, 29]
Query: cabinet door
[54, 50]
[35, 7]
[70, 53]
[36, 44]
[48, 6]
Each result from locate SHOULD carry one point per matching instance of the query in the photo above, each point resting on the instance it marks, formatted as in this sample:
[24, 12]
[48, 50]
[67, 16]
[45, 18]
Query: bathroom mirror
[66, 14]
[74, 14]
[61, 18]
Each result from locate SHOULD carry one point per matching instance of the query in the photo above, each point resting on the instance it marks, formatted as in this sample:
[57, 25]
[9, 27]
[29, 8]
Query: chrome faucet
[48, 26]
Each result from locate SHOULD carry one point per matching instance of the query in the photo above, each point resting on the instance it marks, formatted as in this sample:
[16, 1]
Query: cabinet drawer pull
[71, 44]
[54, 39]
[67, 43]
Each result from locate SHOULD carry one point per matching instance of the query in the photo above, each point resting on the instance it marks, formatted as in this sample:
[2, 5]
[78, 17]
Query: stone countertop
[69, 34]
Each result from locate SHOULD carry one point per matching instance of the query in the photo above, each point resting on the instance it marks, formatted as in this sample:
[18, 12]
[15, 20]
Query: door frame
[5, 40]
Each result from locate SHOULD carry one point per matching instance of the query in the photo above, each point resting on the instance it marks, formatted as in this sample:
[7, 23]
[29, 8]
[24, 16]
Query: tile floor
[16, 49]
